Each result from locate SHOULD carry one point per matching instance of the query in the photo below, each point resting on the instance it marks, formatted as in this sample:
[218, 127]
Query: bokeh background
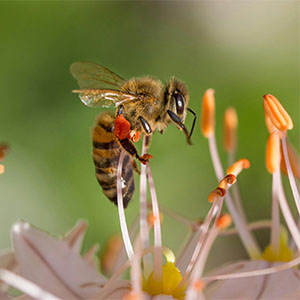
[241, 49]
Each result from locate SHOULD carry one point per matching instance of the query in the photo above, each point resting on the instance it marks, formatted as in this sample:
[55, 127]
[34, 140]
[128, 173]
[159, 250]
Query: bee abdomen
[106, 153]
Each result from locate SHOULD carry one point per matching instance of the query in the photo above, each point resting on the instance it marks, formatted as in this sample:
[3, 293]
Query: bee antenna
[194, 122]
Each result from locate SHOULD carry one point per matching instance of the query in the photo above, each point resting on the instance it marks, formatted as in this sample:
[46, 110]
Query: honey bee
[143, 105]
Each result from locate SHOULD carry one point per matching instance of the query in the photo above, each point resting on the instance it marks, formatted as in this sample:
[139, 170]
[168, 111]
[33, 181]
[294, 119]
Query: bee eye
[179, 100]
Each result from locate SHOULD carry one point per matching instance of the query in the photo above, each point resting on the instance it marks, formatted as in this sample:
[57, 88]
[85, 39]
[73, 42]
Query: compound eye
[179, 100]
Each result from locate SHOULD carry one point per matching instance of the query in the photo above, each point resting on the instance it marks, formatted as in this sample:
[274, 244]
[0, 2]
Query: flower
[45, 267]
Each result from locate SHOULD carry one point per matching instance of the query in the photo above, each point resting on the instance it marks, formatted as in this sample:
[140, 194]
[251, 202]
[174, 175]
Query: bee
[143, 105]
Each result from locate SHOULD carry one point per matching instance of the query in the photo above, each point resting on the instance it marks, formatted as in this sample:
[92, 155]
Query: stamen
[278, 115]
[133, 296]
[216, 194]
[144, 228]
[294, 160]
[238, 166]
[227, 181]
[224, 221]
[230, 126]
[273, 152]
[269, 124]
[124, 229]
[157, 269]
[290, 173]
[208, 113]
[2, 169]
[261, 272]
[152, 218]
[135, 272]
[199, 285]
[110, 253]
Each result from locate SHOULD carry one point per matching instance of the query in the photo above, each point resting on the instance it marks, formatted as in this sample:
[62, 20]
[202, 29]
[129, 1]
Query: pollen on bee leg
[224, 221]
[122, 127]
[238, 166]
[134, 136]
[273, 155]
[216, 194]
[278, 115]
[208, 113]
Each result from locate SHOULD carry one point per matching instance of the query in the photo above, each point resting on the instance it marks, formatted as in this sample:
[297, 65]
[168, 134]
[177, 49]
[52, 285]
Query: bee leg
[145, 125]
[130, 148]
[178, 122]
[135, 167]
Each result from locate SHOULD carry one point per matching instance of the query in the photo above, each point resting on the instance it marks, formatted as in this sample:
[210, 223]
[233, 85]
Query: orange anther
[273, 152]
[216, 194]
[278, 115]
[230, 126]
[294, 160]
[132, 296]
[208, 113]
[3, 150]
[110, 253]
[224, 221]
[151, 218]
[227, 180]
[199, 285]
[2, 169]
[238, 166]
[269, 124]
[122, 127]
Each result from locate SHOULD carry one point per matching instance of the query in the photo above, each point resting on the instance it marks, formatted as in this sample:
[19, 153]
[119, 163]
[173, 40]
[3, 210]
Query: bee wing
[103, 98]
[91, 75]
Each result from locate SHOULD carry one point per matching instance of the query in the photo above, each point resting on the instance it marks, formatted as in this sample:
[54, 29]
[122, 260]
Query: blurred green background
[242, 50]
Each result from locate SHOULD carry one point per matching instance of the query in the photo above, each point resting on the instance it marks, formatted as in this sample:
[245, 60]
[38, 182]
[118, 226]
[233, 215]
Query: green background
[241, 49]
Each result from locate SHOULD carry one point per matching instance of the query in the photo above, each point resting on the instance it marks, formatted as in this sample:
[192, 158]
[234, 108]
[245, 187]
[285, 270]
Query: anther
[230, 126]
[2, 169]
[216, 194]
[227, 180]
[238, 166]
[3, 150]
[133, 296]
[151, 218]
[199, 285]
[208, 113]
[110, 253]
[273, 152]
[278, 115]
[224, 221]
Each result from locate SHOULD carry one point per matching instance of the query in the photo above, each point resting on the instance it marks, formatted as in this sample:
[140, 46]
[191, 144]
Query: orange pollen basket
[273, 155]
[122, 127]
[278, 115]
[208, 113]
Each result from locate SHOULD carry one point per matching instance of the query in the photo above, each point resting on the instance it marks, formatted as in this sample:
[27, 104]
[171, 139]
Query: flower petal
[8, 260]
[53, 265]
[273, 286]
[75, 236]
[116, 290]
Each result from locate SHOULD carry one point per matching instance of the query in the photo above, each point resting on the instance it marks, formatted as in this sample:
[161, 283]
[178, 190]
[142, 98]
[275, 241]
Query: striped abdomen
[106, 153]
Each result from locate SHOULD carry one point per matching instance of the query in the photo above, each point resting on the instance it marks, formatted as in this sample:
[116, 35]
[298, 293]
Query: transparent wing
[103, 98]
[91, 75]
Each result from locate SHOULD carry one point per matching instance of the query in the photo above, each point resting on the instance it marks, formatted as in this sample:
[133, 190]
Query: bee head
[176, 97]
